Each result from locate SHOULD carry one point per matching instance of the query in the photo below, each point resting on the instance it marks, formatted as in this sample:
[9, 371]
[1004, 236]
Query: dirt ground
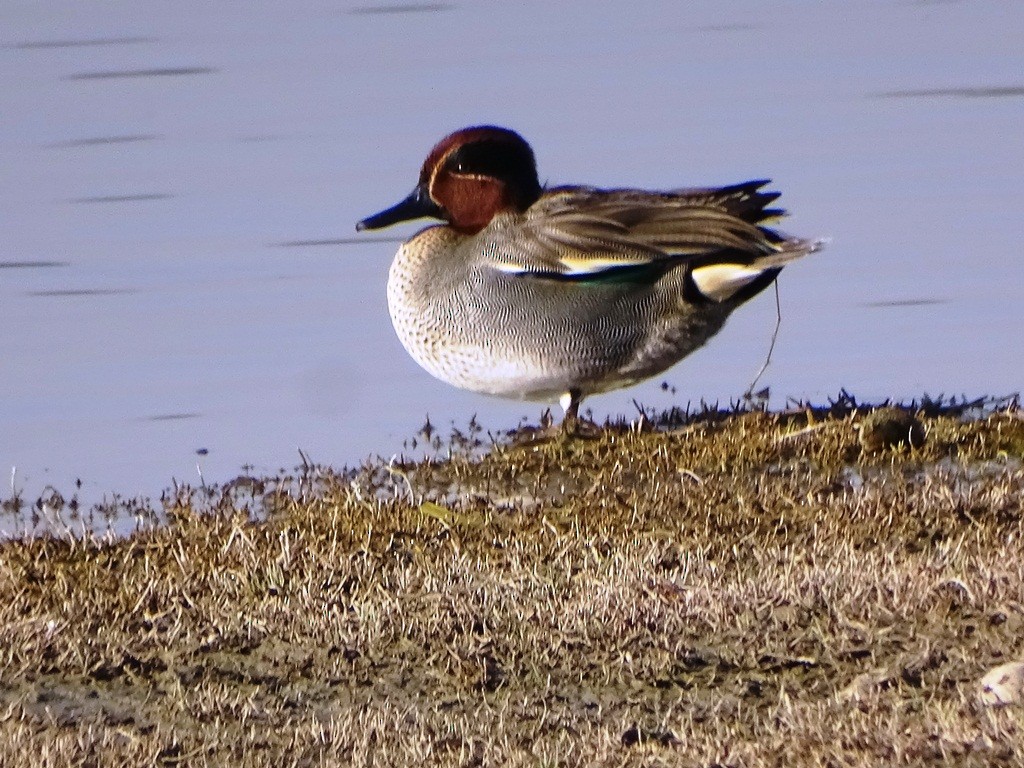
[817, 587]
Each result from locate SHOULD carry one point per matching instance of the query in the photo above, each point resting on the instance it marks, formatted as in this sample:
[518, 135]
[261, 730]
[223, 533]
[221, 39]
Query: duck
[553, 294]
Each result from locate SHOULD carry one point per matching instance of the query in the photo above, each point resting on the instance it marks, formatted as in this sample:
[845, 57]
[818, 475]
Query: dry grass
[737, 590]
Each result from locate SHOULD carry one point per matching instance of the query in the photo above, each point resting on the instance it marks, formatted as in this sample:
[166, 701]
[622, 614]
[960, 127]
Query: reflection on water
[220, 340]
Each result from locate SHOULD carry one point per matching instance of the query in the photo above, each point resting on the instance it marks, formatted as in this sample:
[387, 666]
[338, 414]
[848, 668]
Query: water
[181, 284]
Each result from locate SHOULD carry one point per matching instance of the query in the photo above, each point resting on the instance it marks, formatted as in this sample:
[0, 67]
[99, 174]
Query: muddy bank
[739, 589]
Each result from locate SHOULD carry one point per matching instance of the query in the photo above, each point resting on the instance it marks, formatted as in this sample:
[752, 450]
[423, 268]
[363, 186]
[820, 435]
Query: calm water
[179, 270]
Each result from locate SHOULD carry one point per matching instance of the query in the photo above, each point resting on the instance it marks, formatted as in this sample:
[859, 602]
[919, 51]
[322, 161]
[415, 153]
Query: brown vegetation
[752, 589]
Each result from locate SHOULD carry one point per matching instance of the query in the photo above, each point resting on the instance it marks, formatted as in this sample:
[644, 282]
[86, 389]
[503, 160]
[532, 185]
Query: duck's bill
[415, 206]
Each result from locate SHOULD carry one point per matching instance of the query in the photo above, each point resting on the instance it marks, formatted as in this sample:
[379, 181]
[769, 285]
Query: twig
[771, 348]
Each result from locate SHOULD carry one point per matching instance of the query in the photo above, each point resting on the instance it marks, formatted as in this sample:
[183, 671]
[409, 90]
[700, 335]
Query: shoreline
[742, 588]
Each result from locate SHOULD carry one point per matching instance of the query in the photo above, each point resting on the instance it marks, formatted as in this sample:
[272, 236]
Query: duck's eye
[462, 162]
[488, 159]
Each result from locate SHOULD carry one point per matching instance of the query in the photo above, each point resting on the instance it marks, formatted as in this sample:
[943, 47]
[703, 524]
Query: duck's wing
[581, 232]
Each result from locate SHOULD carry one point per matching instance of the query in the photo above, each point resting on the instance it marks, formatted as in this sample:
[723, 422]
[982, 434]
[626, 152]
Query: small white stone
[1003, 685]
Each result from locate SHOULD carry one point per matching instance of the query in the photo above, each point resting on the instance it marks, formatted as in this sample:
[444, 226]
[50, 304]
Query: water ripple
[123, 198]
[126, 73]
[173, 416]
[338, 241]
[31, 264]
[979, 92]
[99, 140]
[89, 42]
[66, 292]
[906, 303]
[367, 10]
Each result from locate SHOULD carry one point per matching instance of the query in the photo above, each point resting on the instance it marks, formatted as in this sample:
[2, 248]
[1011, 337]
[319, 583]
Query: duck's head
[468, 178]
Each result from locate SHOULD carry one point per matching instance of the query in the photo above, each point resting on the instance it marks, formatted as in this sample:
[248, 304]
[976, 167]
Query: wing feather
[581, 231]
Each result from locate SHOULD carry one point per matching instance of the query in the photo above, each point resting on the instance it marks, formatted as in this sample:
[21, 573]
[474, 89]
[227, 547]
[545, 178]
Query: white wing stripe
[721, 282]
[569, 266]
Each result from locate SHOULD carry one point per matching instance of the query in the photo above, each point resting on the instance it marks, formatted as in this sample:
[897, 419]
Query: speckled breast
[515, 336]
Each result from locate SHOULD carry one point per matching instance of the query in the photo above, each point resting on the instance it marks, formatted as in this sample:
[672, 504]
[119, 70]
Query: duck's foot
[571, 428]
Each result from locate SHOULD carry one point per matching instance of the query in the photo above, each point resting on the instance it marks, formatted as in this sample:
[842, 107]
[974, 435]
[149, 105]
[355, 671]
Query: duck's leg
[572, 424]
[570, 403]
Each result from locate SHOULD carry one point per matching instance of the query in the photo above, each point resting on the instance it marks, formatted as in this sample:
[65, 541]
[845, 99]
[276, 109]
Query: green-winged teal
[557, 293]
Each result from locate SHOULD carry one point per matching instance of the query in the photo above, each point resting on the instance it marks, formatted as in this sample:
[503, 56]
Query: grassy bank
[748, 589]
